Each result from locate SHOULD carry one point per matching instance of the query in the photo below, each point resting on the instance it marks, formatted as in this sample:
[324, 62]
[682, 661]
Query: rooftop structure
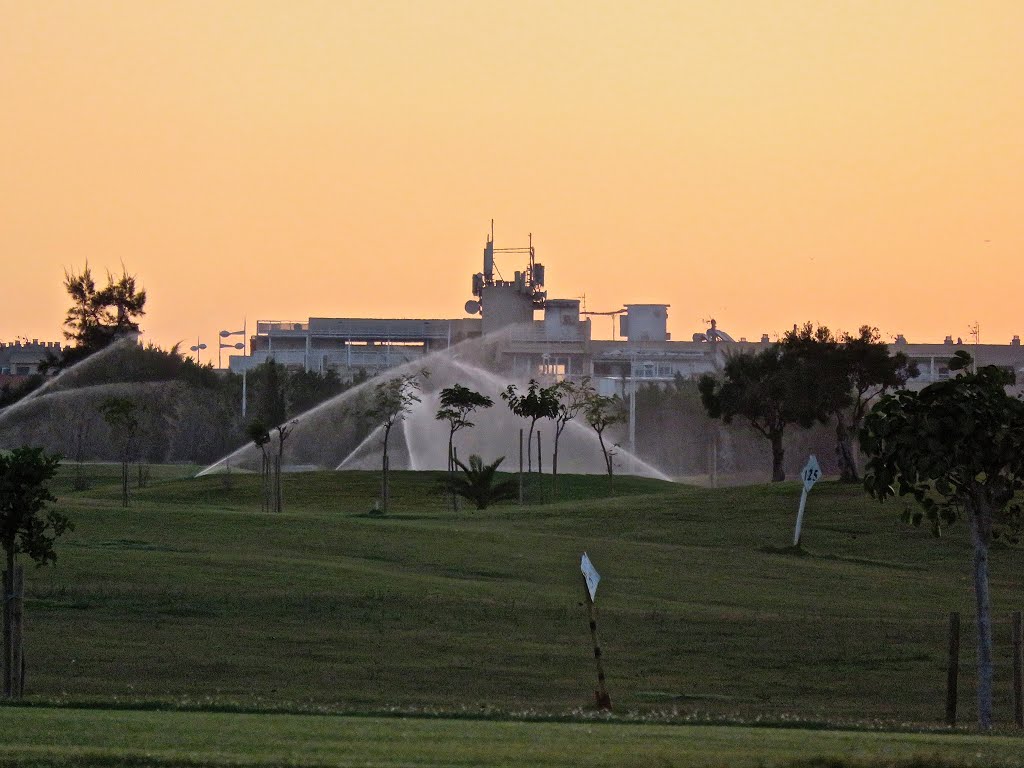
[556, 344]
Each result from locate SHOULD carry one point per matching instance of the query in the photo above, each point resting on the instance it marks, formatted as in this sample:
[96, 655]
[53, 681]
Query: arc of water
[365, 441]
[49, 384]
[406, 368]
[572, 425]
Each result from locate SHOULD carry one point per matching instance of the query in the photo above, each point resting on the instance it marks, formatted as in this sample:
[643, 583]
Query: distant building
[19, 359]
[557, 345]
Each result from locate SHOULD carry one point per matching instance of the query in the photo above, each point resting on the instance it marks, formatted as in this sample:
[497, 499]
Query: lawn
[81, 737]
[193, 595]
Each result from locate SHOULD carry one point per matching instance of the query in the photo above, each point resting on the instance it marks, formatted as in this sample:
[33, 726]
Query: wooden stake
[540, 466]
[520, 467]
[953, 669]
[8, 659]
[18, 626]
[601, 694]
[1018, 669]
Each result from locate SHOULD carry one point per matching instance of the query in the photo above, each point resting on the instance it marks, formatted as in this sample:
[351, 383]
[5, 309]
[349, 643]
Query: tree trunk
[778, 458]
[277, 484]
[981, 535]
[529, 449]
[845, 454]
[124, 480]
[384, 472]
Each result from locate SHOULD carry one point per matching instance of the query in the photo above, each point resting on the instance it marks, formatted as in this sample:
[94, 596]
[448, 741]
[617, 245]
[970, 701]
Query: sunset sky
[762, 163]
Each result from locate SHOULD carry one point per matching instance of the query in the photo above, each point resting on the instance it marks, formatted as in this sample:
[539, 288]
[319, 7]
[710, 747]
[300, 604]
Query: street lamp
[197, 348]
[237, 345]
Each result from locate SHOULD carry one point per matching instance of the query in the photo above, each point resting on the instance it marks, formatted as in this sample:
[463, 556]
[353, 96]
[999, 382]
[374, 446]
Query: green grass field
[194, 600]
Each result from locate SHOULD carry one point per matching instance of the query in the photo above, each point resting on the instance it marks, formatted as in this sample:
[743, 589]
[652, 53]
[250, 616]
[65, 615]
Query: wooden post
[953, 670]
[384, 490]
[520, 467]
[8, 659]
[540, 466]
[601, 694]
[1018, 669]
[18, 627]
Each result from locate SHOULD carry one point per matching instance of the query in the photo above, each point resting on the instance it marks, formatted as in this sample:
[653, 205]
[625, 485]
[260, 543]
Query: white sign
[590, 574]
[811, 473]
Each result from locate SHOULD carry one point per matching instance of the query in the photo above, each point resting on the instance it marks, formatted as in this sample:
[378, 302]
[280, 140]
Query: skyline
[763, 163]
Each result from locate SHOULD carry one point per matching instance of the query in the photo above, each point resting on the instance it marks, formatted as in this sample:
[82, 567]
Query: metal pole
[800, 518]
[244, 372]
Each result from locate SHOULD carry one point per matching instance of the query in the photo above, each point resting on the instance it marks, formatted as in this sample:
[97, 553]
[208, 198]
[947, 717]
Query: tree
[269, 381]
[260, 436]
[26, 526]
[457, 403]
[872, 372]
[283, 431]
[572, 398]
[769, 390]
[843, 375]
[477, 483]
[391, 402]
[956, 447]
[536, 403]
[120, 415]
[98, 317]
[601, 412]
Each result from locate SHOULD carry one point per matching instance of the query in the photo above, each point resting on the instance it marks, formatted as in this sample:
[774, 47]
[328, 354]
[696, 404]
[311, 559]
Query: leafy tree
[769, 390]
[477, 483]
[121, 416]
[572, 398]
[390, 403]
[99, 316]
[843, 374]
[457, 404]
[26, 525]
[269, 381]
[602, 412]
[535, 403]
[307, 389]
[956, 447]
[260, 436]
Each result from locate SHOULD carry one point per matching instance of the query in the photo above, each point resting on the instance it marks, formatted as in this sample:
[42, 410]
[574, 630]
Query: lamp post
[237, 345]
[197, 348]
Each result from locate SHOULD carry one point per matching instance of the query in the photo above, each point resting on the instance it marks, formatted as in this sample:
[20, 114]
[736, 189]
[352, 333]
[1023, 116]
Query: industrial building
[556, 345]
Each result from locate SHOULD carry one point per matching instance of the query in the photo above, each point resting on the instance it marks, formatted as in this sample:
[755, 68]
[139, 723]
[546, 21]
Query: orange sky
[764, 163]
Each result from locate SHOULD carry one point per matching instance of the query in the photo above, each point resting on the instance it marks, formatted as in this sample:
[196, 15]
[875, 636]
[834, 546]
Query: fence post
[8, 601]
[520, 467]
[1018, 669]
[953, 670]
[18, 627]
